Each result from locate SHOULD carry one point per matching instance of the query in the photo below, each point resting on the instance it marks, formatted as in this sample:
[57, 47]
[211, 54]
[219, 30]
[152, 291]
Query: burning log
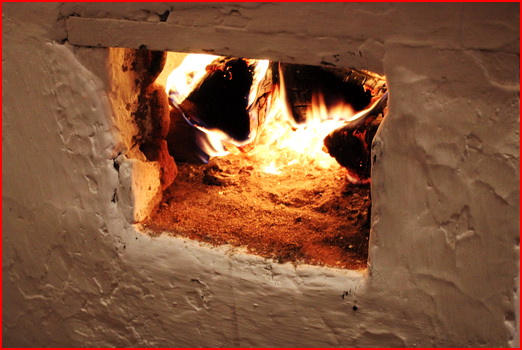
[351, 144]
[188, 144]
[303, 82]
[220, 100]
[223, 101]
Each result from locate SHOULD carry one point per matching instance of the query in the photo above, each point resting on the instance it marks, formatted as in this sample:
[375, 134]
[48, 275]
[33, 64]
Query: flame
[260, 69]
[277, 142]
[271, 169]
[185, 78]
[284, 143]
[187, 75]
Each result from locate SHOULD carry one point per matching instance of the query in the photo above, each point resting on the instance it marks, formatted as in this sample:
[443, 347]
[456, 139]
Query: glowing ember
[271, 169]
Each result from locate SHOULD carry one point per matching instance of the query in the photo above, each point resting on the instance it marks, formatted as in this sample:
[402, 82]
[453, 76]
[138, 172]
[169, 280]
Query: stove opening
[270, 157]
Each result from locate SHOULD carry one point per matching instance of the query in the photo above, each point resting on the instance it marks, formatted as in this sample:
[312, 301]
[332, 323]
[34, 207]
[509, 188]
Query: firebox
[269, 157]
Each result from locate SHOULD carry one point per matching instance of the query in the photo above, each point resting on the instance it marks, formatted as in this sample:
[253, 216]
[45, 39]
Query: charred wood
[220, 100]
[301, 82]
[351, 144]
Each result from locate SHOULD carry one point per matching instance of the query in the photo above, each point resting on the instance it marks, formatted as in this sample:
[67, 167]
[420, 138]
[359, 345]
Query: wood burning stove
[444, 232]
[267, 128]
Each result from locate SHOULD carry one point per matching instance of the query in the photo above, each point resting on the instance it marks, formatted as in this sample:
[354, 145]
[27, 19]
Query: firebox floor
[302, 215]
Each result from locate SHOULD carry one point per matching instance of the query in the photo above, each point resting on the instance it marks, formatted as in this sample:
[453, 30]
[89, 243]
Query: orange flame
[279, 142]
[283, 143]
[182, 80]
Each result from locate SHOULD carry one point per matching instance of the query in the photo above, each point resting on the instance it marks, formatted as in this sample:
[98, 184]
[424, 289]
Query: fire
[283, 143]
[271, 169]
[276, 141]
[187, 75]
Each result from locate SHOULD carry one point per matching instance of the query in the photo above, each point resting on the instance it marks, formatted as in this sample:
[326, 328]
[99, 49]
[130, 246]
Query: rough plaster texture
[445, 238]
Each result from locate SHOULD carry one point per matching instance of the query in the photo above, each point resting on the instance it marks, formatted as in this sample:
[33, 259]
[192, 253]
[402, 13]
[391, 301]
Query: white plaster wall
[445, 237]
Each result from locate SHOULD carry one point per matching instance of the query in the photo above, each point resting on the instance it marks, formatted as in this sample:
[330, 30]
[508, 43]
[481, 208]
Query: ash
[303, 215]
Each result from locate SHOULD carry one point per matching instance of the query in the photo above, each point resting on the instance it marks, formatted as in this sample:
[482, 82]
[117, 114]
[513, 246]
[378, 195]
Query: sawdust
[305, 214]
